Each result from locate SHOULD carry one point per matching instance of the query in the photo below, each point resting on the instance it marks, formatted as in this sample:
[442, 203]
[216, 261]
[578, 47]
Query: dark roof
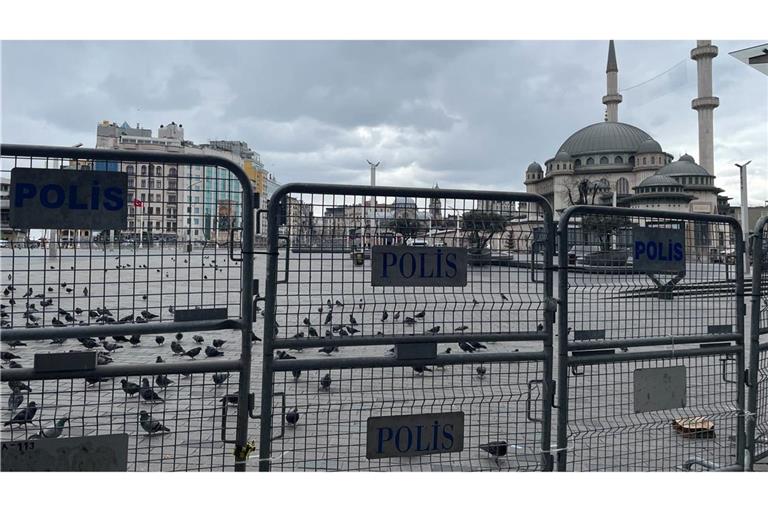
[685, 166]
[604, 137]
[534, 167]
[612, 66]
[649, 146]
[659, 181]
[562, 156]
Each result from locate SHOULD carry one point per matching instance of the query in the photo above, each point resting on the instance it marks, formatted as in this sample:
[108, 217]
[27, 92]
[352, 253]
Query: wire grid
[605, 434]
[191, 407]
[330, 434]
[145, 268]
[607, 300]
[761, 424]
[325, 290]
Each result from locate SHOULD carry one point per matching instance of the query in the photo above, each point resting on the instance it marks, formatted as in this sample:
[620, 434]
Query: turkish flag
[138, 203]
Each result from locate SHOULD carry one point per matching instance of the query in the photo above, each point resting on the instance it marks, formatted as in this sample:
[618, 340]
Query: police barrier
[128, 256]
[434, 354]
[757, 417]
[672, 397]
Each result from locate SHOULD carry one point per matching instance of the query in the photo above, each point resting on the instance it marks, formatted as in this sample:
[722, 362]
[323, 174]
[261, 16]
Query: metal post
[745, 213]
[562, 341]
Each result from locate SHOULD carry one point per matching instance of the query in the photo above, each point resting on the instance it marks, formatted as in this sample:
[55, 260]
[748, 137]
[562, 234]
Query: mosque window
[618, 160]
[590, 161]
[645, 160]
[604, 160]
[558, 166]
[577, 163]
[632, 161]
[622, 186]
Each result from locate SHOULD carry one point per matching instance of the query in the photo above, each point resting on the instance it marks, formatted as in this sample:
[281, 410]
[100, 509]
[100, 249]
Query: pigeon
[328, 349]
[461, 328]
[292, 417]
[504, 297]
[179, 336]
[420, 314]
[306, 321]
[102, 358]
[88, 342]
[125, 319]
[384, 316]
[325, 382]
[159, 359]
[481, 371]
[198, 338]
[296, 374]
[28, 294]
[219, 378]
[477, 345]
[56, 322]
[7, 356]
[111, 347]
[17, 386]
[14, 400]
[218, 343]
[409, 321]
[85, 291]
[540, 327]
[14, 344]
[338, 302]
[78, 311]
[193, 352]
[434, 330]
[352, 331]
[163, 381]
[352, 320]
[282, 354]
[58, 341]
[328, 318]
[147, 393]
[134, 340]
[14, 364]
[466, 347]
[151, 426]
[230, 399]
[396, 316]
[474, 301]
[298, 335]
[495, 449]
[149, 316]
[95, 380]
[53, 432]
[177, 348]
[212, 352]
[159, 340]
[421, 369]
[24, 416]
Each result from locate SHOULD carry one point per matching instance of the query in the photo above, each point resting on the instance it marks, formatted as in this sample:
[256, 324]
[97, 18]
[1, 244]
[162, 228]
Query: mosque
[615, 163]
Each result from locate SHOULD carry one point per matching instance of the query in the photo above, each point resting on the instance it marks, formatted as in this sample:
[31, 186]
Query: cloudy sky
[463, 114]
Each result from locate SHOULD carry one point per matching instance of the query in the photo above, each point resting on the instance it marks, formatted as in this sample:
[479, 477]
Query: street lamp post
[744, 214]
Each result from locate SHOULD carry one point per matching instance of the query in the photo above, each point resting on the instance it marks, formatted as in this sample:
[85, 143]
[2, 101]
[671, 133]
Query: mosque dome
[605, 137]
[684, 166]
[659, 181]
[534, 167]
[649, 146]
[562, 156]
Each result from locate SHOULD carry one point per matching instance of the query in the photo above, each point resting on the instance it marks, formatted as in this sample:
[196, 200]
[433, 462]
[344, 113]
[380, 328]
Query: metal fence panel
[757, 420]
[619, 314]
[330, 336]
[177, 267]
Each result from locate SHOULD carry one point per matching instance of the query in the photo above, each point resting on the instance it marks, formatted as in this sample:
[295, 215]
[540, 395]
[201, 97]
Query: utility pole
[372, 216]
[745, 214]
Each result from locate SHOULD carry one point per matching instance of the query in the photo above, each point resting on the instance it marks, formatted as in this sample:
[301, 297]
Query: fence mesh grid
[173, 254]
[606, 434]
[325, 299]
[760, 335]
[607, 300]
[190, 407]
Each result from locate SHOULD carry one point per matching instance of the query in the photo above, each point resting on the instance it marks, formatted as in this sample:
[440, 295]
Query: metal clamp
[528, 408]
[724, 367]
[232, 244]
[258, 219]
[251, 406]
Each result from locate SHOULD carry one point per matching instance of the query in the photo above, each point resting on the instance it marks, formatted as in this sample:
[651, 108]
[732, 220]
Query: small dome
[659, 181]
[534, 167]
[562, 156]
[649, 146]
[685, 166]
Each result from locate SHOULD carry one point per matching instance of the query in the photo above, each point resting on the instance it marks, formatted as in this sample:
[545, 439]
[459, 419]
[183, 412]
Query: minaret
[705, 104]
[612, 97]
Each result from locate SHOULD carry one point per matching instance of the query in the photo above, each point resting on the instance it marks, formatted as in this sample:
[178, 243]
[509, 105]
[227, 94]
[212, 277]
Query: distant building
[6, 232]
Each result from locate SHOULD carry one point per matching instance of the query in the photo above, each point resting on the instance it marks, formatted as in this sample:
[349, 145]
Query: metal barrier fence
[171, 268]
[649, 289]
[371, 364]
[757, 419]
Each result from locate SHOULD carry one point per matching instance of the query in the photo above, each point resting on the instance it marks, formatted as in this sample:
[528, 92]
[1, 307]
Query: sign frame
[398, 265]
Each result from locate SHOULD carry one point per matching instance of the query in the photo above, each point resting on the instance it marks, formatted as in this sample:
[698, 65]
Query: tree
[406, 226]
[603, 228]
[481, 226]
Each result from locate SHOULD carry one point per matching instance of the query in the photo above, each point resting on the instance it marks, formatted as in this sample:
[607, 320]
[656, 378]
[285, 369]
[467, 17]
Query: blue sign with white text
[68, 199]
[658, 250]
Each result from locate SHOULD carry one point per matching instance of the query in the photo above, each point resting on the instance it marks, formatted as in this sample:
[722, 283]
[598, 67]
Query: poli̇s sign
[658, 250]
[414, 435]
[62, 199]
[418, 266]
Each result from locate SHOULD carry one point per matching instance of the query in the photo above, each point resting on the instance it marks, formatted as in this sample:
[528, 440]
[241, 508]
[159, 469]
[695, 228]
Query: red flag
[138, 203]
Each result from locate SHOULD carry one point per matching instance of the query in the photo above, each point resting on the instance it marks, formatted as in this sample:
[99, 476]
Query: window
[195, 231]
[143, 183]
[618, 160]
[590, 161]
[645, 160]
[197, 221]
[143, 197]
[632, 161]
[151, 171]
[197, 211]
[622, 186]
[577, 163]
[603, 160]
[159, 171]
[558, 166]
[143, 170]
[172, 171]
[129, 169]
